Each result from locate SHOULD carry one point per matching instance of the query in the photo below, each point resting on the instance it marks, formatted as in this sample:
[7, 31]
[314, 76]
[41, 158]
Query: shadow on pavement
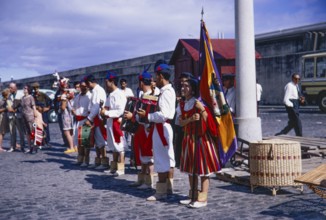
[297, 208]
[257, 191]
[109, 182]
[33, 161]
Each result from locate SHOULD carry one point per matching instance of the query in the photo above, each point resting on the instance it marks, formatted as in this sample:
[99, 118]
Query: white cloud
[41, 36]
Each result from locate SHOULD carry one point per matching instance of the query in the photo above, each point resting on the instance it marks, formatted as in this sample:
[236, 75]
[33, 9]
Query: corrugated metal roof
[223, 49]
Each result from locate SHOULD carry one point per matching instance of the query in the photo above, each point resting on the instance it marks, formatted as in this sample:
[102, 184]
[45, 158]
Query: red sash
[141, 142]
[117, 133]
[99, 123]
[160, 131]
[80, 117]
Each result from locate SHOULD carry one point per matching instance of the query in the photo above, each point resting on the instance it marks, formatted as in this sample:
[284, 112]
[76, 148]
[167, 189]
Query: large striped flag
[211, 92]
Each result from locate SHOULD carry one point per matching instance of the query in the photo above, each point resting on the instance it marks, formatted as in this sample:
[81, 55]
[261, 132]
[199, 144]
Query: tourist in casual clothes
[67, 119]
[4, 121]
[112, 111]
[93, 119]
[15, 118]
[199, 156]
[28, 110]
[162, 133]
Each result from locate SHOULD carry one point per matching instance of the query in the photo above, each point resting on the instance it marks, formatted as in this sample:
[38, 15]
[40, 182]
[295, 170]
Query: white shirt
[128, 92]
[291, 92]
[166, 103]
[156, 92]
[116, 103]
[230, 98]
[259, 91]
[98, 94]
[81, 103]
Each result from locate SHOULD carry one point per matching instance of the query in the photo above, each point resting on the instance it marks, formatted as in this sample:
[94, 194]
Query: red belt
[99, 123]
[80, 117]
[160, 131]
[117, 133]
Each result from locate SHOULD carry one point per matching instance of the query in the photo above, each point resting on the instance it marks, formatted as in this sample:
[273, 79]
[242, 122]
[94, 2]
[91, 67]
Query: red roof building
[185, 56]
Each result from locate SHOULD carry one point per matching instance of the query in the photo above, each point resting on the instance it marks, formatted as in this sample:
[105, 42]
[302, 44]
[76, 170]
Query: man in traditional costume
[113, 110]
[94, 119]
[140, 147]
[162, 133]
[80, 111]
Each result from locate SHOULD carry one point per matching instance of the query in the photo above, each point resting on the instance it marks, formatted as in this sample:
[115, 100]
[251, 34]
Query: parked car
[52, 115]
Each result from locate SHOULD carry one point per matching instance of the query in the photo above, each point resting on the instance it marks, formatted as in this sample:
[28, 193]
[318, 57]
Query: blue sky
[38, 37]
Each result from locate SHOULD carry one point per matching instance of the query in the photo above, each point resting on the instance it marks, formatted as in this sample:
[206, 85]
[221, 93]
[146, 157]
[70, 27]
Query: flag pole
[193, 188]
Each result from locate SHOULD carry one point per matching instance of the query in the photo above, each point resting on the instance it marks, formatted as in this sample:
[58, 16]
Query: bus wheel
[322, 101]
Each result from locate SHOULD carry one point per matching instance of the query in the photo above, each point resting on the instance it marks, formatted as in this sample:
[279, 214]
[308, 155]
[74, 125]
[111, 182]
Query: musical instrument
[131, 106]
[86, 136]
[149, 104]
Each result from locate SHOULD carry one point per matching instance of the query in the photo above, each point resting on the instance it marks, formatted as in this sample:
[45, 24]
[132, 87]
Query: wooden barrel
[274, 163]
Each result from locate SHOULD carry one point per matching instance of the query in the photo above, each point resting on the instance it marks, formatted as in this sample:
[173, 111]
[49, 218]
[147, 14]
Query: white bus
[313, 82]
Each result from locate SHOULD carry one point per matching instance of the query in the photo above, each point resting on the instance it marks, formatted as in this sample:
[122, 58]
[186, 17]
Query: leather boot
[169, 184]
[80, 157]
[120, 169]
[86, 157]
[140, 180]
[113, 167]
[97, 162]
[148, 183]
[160, 192]
[104, 164]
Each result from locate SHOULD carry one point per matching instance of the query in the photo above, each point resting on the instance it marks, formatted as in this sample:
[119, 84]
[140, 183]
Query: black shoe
[277, 134]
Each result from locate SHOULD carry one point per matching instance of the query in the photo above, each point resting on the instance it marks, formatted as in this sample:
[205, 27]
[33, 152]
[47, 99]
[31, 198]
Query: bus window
[309, 68]
[321, 67]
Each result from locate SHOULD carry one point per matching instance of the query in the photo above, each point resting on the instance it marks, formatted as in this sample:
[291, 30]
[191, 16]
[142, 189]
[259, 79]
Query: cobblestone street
[48, 185]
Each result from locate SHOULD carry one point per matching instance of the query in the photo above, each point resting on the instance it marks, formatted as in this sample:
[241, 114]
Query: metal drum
[86, 136]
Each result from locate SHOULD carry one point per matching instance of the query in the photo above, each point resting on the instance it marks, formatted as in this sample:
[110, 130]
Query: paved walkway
[48, 186]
